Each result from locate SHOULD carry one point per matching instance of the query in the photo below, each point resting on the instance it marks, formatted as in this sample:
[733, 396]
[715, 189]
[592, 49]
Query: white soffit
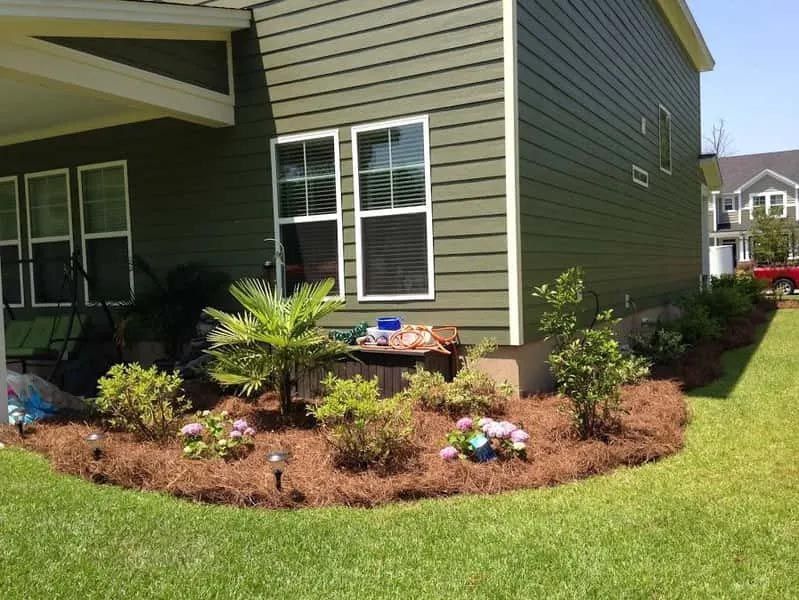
[120, 19]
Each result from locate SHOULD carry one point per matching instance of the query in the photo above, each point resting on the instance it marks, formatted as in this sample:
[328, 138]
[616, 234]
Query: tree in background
[772, 238]
[719, 142]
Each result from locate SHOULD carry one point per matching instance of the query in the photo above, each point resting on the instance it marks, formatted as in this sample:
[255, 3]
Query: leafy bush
[745, 283]
[363, 429]
[275, 340]
[144, 401]
[471, 390]
[216, 436]
[587, 365]
[484, 439]
[725, 303]
[695, 323]
[659, 344]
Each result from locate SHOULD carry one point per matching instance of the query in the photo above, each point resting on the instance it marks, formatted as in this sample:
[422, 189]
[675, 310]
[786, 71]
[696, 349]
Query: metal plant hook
[279, 262]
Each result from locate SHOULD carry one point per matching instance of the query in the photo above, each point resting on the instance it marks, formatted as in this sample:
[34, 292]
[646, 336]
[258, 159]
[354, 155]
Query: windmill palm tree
[275, 340]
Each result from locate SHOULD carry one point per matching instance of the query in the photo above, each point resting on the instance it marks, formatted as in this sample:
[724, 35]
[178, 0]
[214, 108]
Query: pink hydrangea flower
[464, 424]
[519, 436]
[484, 422]
[508, 427]
[192, 430]
[235, 434]
[448, 453]
[249, 432]
[240, 425]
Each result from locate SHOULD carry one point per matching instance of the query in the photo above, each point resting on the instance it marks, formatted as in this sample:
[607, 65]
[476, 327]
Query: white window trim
[671, 141]
[728, 210]
[426, 208]
[337, 216]
[639, 171]
[107, 235]
[768, 194]
[44, 240]
[17, 242]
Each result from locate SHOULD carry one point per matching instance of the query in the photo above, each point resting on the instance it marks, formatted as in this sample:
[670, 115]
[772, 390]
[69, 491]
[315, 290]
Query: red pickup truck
[782, 280]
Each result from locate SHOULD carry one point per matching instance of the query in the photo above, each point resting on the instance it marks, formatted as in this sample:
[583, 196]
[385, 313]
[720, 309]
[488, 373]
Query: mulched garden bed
[701, 365]
[651, 427]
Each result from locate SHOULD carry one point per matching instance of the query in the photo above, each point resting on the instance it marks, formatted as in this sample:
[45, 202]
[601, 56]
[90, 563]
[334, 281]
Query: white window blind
[307, 193]
[10, 243]
[106, 232]
[49, 235]
[393, 210]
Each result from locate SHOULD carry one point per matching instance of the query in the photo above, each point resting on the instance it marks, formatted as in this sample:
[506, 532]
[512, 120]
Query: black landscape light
[19, 414]
[95, 441]
[278, 460]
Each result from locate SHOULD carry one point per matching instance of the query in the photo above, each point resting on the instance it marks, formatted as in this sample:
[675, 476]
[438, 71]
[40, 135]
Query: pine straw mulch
[701, 364]
[651, 427]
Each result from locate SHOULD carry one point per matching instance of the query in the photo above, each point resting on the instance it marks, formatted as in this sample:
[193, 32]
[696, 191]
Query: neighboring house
[767, 180]
[436, 158]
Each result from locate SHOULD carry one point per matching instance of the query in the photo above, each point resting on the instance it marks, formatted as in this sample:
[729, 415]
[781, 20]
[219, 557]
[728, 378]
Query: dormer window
[728, 204]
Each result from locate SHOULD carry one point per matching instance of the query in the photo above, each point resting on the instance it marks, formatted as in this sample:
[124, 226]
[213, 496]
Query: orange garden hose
[415, 337]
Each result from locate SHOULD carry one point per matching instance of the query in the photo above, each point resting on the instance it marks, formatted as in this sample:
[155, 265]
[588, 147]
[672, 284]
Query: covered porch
[74, 100]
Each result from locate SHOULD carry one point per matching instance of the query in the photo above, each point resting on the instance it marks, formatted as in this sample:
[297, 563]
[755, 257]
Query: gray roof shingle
[737, 170]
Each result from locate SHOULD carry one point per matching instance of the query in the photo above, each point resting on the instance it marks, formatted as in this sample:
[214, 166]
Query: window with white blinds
[10, 243]
[106, 232]
[393, 210]
[307, 201]
[49, 235]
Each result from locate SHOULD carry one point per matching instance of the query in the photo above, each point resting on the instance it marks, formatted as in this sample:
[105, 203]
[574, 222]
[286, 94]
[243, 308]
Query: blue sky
[756, 47]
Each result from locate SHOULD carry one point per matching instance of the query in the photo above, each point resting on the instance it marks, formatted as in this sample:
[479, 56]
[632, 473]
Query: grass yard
[719, 520]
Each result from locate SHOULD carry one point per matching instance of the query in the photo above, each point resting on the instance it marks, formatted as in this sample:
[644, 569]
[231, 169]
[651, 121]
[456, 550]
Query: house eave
[682, 22]
[711, 171]
[120, 19]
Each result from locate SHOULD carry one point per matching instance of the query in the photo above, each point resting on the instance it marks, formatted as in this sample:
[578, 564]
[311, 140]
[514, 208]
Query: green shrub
[695, 323]
[143, 401]
[587, 365]
[471, 390]
[725, 303]
[746, 284]
[659, 344]
[275, 340]
[364, 430]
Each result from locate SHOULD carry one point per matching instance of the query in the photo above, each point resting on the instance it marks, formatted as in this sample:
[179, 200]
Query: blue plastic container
[389, 323]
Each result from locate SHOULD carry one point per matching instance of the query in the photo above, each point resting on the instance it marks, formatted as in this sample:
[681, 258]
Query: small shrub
[659, 344]
[364, 430]
[216, 436]
[143, 401]
[471, 390]
[725, 303]
[745, 283]
[484, 439]
[587, 365]
[696, 324]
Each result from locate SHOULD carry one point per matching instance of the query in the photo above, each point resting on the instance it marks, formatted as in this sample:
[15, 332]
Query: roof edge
[682, 22]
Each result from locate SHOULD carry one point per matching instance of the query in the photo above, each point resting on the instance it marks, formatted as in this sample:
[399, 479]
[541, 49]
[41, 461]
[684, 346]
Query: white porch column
[3, 374]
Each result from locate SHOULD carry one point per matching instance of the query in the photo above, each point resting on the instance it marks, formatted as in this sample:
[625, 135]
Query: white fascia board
[120, 18]
[764, 173]
[54, 65]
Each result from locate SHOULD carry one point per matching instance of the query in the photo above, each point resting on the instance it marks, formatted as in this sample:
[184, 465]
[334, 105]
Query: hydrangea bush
[484, 439]
[216, 436]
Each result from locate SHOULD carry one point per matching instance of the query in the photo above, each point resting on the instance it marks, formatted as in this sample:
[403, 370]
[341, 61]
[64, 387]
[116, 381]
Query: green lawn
[719, 520]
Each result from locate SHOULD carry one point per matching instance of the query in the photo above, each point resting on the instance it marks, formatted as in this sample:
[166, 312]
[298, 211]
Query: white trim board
[337, 216]
[426, 208]
[51, 65]
[120, 19]
[761, 175]
[84, 237]
[17, 242]
[510, 26]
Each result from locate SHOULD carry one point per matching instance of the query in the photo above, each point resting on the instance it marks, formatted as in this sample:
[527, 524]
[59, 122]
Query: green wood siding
[205, 195]
[198, 62]
[588, 72]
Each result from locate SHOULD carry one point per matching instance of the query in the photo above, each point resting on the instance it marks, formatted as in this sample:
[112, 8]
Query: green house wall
[588, 72]
[200, 194]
